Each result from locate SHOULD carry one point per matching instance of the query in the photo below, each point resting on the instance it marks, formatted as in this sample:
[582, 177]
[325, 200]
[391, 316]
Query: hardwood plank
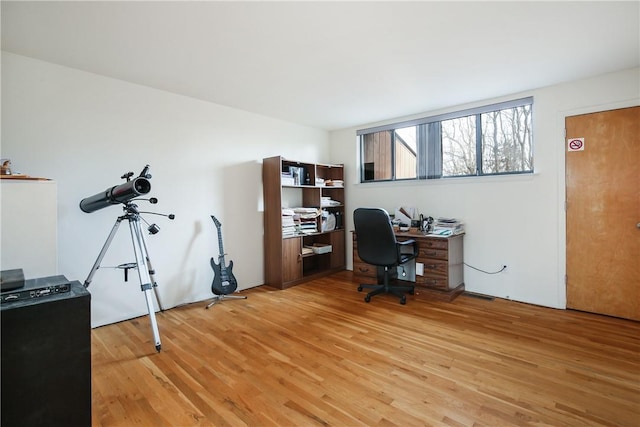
[316, 354]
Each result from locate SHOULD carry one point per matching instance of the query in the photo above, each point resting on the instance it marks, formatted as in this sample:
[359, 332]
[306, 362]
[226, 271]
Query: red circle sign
[575, 144]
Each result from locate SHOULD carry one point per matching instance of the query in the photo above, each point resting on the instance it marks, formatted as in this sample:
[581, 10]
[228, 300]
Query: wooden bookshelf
[285, 263]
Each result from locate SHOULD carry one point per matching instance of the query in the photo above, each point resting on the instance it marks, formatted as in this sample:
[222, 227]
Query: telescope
[120, 193]
[124, 193]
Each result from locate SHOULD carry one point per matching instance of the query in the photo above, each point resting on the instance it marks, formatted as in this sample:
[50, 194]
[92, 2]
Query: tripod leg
[152, 273]
[96, 265]
[152, 318]
[143, 273]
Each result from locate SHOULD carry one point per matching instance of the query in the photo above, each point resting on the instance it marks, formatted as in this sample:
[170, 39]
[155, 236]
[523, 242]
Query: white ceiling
[331, 65]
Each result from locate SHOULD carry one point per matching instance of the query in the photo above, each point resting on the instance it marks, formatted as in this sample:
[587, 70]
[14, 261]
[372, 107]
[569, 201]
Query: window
[458, 138]
[389, 154]
[376, 156]
[490, 140]
[506, 140]
[406, 152]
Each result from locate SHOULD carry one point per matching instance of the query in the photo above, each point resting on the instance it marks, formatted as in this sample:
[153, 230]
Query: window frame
[429, 158]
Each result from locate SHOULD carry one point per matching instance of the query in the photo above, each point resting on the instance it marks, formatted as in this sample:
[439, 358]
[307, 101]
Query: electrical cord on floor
[504, 267]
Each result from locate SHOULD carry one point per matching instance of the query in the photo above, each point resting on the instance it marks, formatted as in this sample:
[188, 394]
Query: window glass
[459, 146]
[376, 156]
[506, 141]
[406, 153]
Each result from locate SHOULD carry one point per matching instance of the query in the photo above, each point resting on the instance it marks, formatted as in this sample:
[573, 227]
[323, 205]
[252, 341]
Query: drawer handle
[363, 270]
[434, 253]
[431, 266]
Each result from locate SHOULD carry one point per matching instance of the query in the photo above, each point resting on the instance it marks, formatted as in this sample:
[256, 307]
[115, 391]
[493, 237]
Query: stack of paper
[287, 178]
[288, 223]
[297, 221]
[328, 202]
[447, 227]
[307, 213]
[308, 225]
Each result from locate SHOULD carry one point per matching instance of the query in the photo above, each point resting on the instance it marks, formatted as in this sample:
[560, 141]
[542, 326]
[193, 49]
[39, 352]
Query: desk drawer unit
[442, 262]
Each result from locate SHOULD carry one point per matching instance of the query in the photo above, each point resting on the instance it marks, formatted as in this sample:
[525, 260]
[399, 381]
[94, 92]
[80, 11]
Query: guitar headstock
[216, 222]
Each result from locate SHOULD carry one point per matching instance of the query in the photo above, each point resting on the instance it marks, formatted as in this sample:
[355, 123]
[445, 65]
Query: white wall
[517, 221]
[84, 131]
[28, 229]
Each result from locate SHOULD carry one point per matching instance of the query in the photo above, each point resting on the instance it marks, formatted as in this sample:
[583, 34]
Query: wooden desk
[442, 259]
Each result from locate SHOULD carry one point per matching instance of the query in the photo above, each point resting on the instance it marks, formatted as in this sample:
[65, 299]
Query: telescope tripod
[142, 264]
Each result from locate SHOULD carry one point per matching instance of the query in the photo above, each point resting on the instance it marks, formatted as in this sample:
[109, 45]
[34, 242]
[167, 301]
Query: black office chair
[377, 245]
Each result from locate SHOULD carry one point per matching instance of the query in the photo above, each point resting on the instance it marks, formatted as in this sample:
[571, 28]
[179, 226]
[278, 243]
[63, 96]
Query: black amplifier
[45, 356]
[37, 288]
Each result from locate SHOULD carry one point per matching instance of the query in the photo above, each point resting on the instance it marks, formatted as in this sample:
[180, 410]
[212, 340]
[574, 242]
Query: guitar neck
[220, 248]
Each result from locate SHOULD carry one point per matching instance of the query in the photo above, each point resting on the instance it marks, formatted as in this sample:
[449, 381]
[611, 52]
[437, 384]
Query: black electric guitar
[224, 282]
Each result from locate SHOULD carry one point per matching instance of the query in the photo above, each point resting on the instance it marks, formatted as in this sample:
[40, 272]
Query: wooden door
[337, 253]
[291, 259]
[603, 212]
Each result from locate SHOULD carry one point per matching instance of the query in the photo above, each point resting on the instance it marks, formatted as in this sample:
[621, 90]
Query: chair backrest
[376, 240]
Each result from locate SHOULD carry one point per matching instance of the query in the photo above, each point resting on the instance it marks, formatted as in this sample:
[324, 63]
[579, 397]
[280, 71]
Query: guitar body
[224, 282]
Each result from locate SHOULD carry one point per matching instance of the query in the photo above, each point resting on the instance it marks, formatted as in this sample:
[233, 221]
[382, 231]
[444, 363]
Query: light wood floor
[318, 355]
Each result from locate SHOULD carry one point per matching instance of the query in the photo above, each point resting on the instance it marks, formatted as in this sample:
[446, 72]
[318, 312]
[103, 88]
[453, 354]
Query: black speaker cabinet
[46, 358]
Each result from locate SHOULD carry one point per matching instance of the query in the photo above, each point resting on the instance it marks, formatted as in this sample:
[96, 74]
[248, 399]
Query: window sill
[523, 177]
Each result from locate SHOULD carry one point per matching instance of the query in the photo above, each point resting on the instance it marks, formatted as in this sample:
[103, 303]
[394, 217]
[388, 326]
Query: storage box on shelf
[303, 208]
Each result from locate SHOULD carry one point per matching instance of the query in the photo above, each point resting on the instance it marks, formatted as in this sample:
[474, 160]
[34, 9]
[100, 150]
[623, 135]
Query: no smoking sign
[575, 144]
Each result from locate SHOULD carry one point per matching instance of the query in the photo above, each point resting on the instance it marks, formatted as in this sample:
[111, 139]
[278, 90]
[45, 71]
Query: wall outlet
[419, 269]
